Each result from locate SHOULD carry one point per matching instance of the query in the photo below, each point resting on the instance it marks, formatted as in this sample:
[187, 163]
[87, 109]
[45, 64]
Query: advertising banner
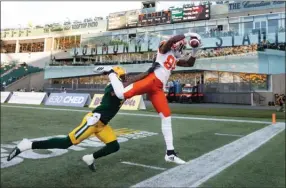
[132, 18]
[135, 103]
[155, 18]
[5, 96]
[68, 99]
[28, 98]
[117, 20]
[124, 19]
[194, 13]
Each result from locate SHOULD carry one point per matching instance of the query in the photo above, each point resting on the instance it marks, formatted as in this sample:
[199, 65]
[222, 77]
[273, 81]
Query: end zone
[199, 170]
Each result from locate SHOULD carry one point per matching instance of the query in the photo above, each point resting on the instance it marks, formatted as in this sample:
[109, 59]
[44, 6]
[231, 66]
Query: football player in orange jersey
[169, 55]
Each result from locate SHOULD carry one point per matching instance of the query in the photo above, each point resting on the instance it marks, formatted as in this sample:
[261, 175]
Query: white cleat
[174, 159]
[89, 160]
[102, 69]
[24, 145]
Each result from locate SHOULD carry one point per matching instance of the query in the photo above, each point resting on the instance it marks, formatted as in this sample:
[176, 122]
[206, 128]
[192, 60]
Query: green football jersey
[109, 106]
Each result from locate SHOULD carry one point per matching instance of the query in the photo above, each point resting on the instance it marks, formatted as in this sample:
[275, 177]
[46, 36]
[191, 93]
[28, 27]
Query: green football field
[141, 156]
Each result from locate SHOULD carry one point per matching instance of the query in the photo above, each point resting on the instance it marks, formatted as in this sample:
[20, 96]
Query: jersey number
[170, 63]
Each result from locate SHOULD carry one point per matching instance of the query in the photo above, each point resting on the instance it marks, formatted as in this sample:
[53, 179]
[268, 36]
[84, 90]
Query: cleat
[89, 160]
[16, 151]
[92, 167]
[24, 145]
[103, 69]
[173, 158]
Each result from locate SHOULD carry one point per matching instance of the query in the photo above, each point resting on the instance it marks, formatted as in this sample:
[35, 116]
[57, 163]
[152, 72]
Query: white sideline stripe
[221, 134]
[146, 115]
[199, 170]
[146, 166]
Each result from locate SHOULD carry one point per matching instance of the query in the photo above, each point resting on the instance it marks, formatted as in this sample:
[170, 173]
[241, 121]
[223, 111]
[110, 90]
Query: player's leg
[138, 88]
[107, 136]
[160, 103]
[80, 133]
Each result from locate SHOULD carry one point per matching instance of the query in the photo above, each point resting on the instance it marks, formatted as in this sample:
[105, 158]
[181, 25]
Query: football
[194, 42]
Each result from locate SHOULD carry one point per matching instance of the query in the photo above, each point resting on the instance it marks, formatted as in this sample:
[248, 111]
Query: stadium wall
[37, 59]
[278, 81]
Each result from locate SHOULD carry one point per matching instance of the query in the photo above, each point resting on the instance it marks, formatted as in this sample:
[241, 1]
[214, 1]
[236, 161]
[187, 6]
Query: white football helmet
[179, 47]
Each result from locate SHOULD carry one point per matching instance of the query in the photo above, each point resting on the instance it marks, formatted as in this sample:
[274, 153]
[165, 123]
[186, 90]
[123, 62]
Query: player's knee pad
[113, 146]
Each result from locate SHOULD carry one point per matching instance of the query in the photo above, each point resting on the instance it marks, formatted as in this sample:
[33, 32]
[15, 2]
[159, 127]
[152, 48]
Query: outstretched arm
[134, 78]
[118, 86]
[168, 45]
[187, 62]
[191, 59]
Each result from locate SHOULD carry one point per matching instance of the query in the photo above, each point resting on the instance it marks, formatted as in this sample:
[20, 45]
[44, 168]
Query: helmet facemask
[179, 48]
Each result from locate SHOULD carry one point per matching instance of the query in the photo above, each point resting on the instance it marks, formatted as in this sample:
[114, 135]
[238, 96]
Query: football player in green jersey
[94, 123]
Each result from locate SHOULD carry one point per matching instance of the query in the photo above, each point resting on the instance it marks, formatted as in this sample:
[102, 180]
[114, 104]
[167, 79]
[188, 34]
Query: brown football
[194, 42]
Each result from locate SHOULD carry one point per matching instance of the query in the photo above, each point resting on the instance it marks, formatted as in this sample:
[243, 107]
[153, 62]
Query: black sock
[171, 152]
[107, 149]
[59, 143]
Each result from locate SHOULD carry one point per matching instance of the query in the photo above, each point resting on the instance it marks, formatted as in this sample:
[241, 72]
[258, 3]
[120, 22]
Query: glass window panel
[184, 78]
[200, 30]
[84, 42]
[259, 81]
[225, 77]
[257, 25]
[77, 40]
[263, 24]
[282, 26]
[242, 77]
[211, 77]
[154, 36]
[272, 26]
[182, 31]
[116, 39]
[167, 33]
[234, 28]
[248, 26]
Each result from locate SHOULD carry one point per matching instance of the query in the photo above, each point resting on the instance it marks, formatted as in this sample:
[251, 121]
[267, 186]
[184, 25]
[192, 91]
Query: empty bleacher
[18, 72]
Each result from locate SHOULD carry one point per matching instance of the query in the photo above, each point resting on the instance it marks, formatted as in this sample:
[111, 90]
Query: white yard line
[146, 166]
[145, 115]
[221, 134]
[199, 170]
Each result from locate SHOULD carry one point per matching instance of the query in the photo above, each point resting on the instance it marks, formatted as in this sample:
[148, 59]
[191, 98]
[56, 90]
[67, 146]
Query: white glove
[102, 69]
[92, 120]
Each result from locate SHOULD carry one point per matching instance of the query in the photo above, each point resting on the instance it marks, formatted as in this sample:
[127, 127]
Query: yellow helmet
[119, 71]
